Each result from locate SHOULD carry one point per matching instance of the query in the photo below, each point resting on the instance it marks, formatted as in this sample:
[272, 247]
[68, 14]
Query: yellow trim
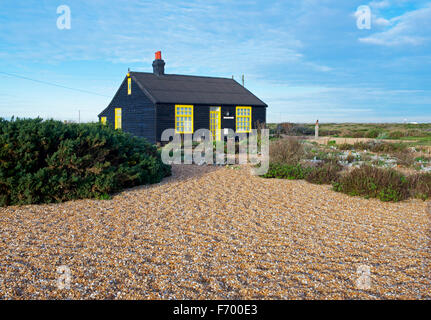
[118, 118]
[216, 132]
[103, 120]
[129, 86]
[183, 116]
[243, 118]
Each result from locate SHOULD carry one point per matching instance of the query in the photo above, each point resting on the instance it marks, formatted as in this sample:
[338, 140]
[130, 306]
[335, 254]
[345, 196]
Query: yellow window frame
[118, 118]
[103, 120]
[215, 123]
[129, 86]
[183, 118]
[243, 119]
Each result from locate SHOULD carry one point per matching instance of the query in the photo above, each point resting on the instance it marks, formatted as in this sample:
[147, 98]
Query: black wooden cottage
[148, 103]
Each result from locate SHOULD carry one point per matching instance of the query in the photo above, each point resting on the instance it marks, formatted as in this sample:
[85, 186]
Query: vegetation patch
[420, 185]
[286, 151]
[352, 172]
[285, 171]
[326, 173]
[50, 161]
[371, 182]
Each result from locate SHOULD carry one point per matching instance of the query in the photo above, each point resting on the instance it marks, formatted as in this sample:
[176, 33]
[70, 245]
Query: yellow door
[215, 123]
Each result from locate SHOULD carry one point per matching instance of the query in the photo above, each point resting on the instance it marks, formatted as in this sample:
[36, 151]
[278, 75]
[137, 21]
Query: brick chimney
[159, 64]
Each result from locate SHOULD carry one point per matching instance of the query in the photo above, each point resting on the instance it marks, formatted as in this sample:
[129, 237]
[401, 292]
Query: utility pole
[243, 80]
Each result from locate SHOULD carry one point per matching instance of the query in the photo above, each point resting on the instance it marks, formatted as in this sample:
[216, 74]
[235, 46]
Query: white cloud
[379, 4]
[412, 28]
[381, 22]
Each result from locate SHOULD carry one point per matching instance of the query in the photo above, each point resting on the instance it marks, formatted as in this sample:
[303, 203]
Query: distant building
[148, 103]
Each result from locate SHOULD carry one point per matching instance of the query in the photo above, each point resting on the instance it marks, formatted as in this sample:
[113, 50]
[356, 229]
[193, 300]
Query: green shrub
[372, 133]
[332, 143]
[285, 171]
[384, 184]
[383, 135]
[50, 161]
[324, 174]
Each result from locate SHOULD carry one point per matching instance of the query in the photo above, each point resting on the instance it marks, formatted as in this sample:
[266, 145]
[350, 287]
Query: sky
[306, 59]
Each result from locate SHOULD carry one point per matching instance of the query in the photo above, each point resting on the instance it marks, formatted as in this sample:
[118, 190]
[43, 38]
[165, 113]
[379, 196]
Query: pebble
[211, 232]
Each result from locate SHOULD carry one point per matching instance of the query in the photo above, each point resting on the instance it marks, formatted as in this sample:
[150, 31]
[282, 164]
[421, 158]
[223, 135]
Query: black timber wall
[165, 114]
[137, 110]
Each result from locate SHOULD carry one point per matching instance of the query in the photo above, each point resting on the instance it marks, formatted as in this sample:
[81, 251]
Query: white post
[316, 130]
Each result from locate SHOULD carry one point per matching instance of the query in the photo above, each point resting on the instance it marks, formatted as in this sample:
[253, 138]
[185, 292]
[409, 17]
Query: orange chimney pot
[158, 55]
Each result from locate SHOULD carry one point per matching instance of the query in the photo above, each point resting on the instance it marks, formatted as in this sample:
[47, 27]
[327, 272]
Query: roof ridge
[182, 75]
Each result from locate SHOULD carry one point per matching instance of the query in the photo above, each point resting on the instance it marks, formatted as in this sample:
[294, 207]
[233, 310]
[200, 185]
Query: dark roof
[172, 88]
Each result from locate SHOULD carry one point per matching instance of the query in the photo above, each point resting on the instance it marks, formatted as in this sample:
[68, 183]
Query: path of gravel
[217, 233]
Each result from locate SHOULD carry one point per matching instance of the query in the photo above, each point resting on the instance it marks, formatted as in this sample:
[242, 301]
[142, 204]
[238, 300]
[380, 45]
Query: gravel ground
[217, 233]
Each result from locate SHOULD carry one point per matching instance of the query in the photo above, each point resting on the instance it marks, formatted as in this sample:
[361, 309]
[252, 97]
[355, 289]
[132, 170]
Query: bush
[396, 134]
[302, 131]
[420, 185]
[332, 143]
[372, 133]
[361, 146]
[345, 146]
[286, 151]
[285, 171]
[416, 133]
[358, 134]
[384, 184]
[324, 174]
[323, 133]
[285, 128]
[378, 146]
[49, 161]
[387, 147]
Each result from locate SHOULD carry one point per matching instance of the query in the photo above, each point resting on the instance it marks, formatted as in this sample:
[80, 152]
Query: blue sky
[307, 59]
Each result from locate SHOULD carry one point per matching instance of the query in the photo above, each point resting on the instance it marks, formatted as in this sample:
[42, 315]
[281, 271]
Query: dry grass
[286, 151]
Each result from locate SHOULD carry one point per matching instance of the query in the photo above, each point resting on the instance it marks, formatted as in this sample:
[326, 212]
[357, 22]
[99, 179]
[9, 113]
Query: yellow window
[183, 119]
[215, 123]
[243, 119]
[129, 86]
[103, 120]
[117, 118]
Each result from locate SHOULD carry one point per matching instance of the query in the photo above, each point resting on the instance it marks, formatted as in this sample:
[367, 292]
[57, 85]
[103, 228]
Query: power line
[52, 84]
